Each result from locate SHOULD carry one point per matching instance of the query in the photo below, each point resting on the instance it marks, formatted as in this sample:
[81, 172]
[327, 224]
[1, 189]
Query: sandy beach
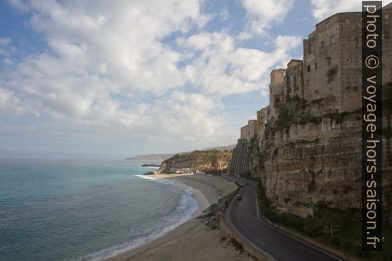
[192, 240]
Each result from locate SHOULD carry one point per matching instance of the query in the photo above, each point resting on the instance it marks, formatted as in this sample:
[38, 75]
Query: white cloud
[9, 103]
[264, 14]
[324, 8]
[224, 14]
[221, 68]
[109, 75]
[99, 49]
[19, 4]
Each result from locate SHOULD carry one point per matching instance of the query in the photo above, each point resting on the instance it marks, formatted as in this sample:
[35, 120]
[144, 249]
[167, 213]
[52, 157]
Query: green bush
[335, 241]
[348, 244]
[312, 229]
[294, 221]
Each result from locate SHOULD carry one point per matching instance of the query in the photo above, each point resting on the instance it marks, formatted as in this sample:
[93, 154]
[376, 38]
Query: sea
[84, 210]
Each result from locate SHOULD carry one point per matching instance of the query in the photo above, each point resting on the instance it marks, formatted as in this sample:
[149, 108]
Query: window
[309, 48]
[315, 66]
[308, 68]
[322, 44]
[329, 60]
[333, 39]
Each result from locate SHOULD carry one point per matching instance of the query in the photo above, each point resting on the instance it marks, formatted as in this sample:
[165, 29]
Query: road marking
[287, 234]
[243, 237]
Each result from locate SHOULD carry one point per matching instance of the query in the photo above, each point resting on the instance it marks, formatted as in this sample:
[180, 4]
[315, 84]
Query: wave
[187, 206]
[146, 177]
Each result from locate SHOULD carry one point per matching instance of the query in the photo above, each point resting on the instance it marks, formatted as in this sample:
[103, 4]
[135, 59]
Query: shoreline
[196, 194]
[191, 239]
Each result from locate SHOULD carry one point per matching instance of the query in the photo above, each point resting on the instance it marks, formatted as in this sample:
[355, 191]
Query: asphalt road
[243, 216]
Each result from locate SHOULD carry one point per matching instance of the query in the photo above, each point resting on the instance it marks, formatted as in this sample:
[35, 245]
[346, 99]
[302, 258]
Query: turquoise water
[73, 210]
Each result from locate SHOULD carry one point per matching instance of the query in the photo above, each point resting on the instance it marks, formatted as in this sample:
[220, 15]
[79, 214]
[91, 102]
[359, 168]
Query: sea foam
[187, 206]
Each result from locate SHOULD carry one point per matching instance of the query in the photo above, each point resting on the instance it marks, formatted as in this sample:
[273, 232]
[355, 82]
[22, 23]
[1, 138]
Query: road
[242, 216]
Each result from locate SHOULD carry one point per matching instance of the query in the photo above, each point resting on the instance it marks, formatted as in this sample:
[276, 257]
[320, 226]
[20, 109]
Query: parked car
[239, 197]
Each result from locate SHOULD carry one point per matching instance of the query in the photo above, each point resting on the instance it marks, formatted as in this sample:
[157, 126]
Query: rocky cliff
[310, 156]
[210, 161]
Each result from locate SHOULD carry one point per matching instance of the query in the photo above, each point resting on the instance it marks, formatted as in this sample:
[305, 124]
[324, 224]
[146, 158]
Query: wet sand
[191, 240]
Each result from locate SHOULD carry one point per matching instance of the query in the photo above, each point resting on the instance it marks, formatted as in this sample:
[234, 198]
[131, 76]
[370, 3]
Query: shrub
[237, 245]
[335, 241]
[348, 244]
[294, 221]
[313, 229]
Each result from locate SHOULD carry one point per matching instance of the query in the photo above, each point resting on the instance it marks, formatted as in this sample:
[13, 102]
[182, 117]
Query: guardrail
[229, 230]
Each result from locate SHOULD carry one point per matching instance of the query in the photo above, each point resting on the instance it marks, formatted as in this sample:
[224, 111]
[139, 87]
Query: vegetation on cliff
[336, 227]
[298, 111]
[209, 161]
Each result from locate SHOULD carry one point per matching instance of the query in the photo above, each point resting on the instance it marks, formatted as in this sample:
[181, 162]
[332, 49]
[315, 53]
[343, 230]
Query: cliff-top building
[276, 90]
[332, 63]
[261, 120]
[294, 79]
[248, 132]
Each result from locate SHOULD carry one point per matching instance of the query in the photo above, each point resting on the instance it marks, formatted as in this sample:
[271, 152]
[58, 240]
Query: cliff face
[306, 147]
[210, 161]
[309, 155]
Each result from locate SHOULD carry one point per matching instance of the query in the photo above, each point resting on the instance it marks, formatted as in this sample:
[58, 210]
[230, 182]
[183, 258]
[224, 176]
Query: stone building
[262, 118]
[248, 132]
[276, 89]
[294, 79]
[333, 59]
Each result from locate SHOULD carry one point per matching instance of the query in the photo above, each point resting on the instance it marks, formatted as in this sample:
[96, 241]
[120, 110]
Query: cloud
[263, 14]
[20, 5]
[108, 68]
[110, 74]
[98, 48]
[325, 8]
[9, 103]
[221, 68]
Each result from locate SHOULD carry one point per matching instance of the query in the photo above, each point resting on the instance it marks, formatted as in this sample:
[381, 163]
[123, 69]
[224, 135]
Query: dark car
[239, 197]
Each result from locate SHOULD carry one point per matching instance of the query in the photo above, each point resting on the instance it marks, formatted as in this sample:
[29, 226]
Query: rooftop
[387, 7]
[294, 60]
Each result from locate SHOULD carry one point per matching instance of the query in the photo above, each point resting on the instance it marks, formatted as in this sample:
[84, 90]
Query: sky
[112, 79]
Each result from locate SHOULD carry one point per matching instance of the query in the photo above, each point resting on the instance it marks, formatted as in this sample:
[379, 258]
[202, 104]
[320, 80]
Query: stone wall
[294, 79]
[333, 59]
[276, 87]
[249, 131]
[239, 164]
[262, 118]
